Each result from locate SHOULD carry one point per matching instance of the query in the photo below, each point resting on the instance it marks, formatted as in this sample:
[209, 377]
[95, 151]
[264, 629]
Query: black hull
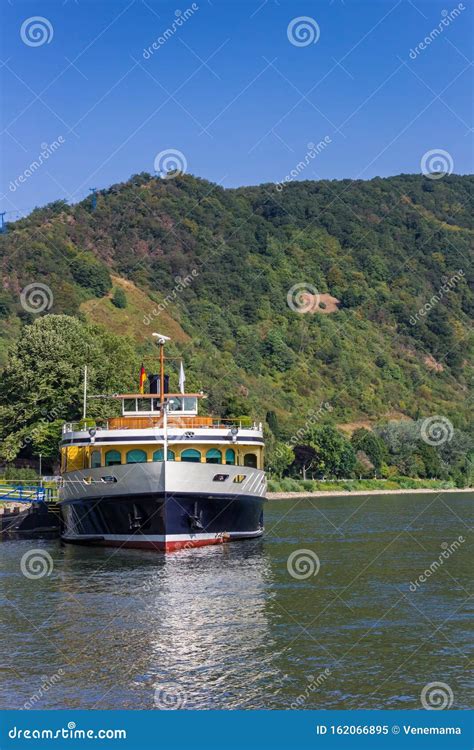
[36, 522]
[161, 520]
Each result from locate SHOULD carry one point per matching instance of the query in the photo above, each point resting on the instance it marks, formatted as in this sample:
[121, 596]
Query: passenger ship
[159, 476]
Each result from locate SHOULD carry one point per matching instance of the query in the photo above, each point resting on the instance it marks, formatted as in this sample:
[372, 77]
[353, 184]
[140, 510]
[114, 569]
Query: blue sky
[230, 90]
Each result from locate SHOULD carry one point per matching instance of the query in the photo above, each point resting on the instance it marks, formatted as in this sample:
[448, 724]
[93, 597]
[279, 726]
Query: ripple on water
[228, 627]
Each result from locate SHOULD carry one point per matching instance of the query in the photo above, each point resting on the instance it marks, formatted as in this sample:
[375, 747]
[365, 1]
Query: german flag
[142, 380]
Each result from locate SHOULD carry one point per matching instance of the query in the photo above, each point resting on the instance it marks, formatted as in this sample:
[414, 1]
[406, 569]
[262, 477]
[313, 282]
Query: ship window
[190, 403]
[191, 455]
[175, 404]
[136, 457]
[113, 458]
[144, 404]
[230, 456]
[159, 455]
[95, 459]
[250, 459]
[129, 404]
[213, 456]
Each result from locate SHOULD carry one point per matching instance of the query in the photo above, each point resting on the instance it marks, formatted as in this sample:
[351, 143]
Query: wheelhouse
[148, 404]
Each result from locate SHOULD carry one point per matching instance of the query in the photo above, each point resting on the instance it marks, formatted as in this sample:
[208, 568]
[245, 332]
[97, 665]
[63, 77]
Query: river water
[326, 611]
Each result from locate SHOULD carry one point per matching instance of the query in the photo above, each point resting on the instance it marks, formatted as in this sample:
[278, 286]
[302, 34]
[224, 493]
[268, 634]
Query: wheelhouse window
[159, 455]
[136, 457]
[129, 404]
[191, 456]
[250, 459]
[175, 404]
[213, 456]
[95, 459]
[190, 403]
[144, 404]
[113, 458]
[230, 456]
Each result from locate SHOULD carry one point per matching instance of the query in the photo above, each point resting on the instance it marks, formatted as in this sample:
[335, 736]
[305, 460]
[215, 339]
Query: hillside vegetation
[347, 300]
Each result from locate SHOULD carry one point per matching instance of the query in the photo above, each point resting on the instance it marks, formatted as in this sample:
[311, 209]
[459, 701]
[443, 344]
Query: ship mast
[164, 409]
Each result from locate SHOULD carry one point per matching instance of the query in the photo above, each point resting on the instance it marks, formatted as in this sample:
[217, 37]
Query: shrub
[119, 298]
[290, 485]
[20, 475]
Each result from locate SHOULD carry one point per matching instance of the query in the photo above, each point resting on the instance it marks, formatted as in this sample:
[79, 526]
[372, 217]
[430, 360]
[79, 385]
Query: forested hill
[381, 332]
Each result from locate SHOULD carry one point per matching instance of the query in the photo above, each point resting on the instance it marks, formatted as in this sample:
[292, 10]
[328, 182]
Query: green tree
[6, 304]
[119, 298]
[272, 422]
[278, 458]
[327, 452]
[41, 386]
[368, 442]
[276, 352]
[90, 273]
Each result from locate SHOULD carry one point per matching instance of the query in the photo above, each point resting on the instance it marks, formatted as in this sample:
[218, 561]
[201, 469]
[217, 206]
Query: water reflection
[187, 622]
[228, 627]
[209, 618]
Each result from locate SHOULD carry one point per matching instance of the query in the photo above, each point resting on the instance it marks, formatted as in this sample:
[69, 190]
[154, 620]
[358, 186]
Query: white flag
[182, 377]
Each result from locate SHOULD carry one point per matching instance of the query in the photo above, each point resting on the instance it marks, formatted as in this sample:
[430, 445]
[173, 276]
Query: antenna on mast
[161, 337]
[164, 407]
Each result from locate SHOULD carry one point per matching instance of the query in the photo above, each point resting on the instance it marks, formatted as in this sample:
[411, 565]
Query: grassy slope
[129, 320]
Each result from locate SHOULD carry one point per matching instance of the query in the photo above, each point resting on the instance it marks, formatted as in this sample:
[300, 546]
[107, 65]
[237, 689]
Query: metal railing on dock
[11, 493]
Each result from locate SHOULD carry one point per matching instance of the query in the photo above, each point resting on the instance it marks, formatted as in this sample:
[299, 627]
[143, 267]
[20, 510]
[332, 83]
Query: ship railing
[174, 421]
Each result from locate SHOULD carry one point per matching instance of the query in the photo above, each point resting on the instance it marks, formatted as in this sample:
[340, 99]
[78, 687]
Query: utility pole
[84, 400]
[3, 228]
[94, 198]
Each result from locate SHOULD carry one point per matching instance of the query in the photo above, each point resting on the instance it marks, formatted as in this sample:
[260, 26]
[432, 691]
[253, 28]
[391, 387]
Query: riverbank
[355, 493]
[279, 489]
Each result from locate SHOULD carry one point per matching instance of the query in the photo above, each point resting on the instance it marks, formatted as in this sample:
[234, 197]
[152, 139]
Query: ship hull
[162, 506]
